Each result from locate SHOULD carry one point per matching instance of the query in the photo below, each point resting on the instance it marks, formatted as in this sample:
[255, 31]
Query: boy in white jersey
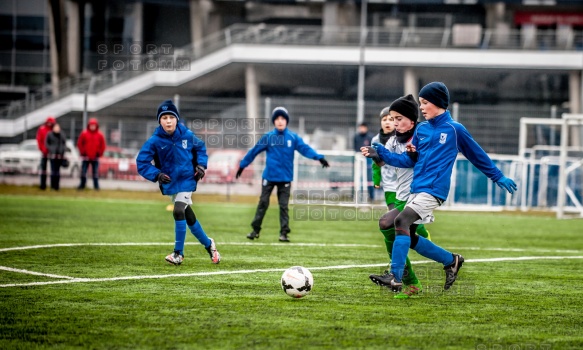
[405, 112]
[384, 177]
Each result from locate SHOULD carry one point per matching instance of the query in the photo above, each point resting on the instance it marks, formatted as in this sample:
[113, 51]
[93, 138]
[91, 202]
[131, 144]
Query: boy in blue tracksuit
[432, 153]
[279, 145]
[180, 161]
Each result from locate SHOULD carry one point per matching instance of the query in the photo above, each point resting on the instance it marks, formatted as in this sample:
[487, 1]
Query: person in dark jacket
[41, 136]
[432, 153]
[280, 146]
[363, 138]
[91, 145]
[180, 161]
[56, 145]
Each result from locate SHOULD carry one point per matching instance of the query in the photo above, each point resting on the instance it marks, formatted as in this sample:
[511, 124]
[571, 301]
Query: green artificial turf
[115, 290]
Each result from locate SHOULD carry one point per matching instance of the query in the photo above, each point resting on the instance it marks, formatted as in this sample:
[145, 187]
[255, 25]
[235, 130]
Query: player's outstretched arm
[259, 147]
[480, 159]
[307, 151]
[371, 153]
[397, 160]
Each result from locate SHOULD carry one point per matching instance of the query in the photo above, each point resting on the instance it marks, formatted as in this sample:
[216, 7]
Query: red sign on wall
[542, 18]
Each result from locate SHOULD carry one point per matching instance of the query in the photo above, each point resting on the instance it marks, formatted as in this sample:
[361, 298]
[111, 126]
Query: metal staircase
[285, 44]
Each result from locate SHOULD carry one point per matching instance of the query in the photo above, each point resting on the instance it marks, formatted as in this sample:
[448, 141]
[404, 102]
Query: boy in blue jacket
[279, 145]
[180, 161]
[432, 153]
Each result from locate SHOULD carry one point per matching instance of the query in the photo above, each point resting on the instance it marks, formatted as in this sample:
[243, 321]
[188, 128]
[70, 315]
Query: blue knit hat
[277, 112]
[436, 93]
[167, 107]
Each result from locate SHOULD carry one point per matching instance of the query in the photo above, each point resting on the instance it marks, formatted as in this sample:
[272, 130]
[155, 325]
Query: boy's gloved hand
[199, 174]
[239, 172]
[371, 152]
[324, 163]
[507, 184]
[377, 145]
[163, 178]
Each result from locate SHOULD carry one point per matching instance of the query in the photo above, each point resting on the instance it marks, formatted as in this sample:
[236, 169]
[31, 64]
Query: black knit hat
[436, 93]
[407, 107]
[279, 112]
[167, 107]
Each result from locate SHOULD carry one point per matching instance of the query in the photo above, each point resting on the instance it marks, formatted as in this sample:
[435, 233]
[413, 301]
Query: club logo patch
[165, 108]
[442, 138]
[184, 144]
[289, 143]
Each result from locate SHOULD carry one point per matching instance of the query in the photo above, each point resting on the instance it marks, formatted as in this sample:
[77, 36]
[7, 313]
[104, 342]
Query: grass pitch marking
[5, 268]
[212, 273]
[57, 245]
[339, 245]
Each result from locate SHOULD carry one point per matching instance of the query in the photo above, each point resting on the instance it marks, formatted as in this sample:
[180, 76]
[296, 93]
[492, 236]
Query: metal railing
[134, 65]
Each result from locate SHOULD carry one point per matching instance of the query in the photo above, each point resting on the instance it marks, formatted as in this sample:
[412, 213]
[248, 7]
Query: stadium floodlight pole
[177, 101]
[86, 97]
[360, 93]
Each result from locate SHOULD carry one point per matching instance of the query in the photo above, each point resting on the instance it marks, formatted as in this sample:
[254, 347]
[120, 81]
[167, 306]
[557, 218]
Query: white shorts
[423, 204]
[184, 197]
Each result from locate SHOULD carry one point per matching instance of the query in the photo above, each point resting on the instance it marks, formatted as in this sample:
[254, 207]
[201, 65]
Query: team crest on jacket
[289, 143]
[184, 144]
[442, 138]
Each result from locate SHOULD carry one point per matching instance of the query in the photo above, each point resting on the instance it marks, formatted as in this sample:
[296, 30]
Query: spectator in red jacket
[41, 136]
[91, 146]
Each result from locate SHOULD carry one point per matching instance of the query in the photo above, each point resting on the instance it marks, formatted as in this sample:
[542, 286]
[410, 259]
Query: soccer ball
[297, 281]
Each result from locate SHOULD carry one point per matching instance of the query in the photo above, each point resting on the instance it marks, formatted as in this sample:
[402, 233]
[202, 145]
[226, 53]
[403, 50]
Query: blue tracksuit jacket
[175, 155]
[438, 142]
[280, 147]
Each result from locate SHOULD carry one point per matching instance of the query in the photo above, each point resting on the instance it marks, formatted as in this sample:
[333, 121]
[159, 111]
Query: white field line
[5, 268]
[187, 243]
[340, 245]
[337, 267]
[534, 250]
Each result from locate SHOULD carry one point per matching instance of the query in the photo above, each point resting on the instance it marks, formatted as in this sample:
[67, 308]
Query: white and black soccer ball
[297, 281]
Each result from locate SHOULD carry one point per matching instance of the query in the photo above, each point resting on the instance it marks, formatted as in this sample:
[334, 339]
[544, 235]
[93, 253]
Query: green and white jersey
[404, 175]
[388, 174]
